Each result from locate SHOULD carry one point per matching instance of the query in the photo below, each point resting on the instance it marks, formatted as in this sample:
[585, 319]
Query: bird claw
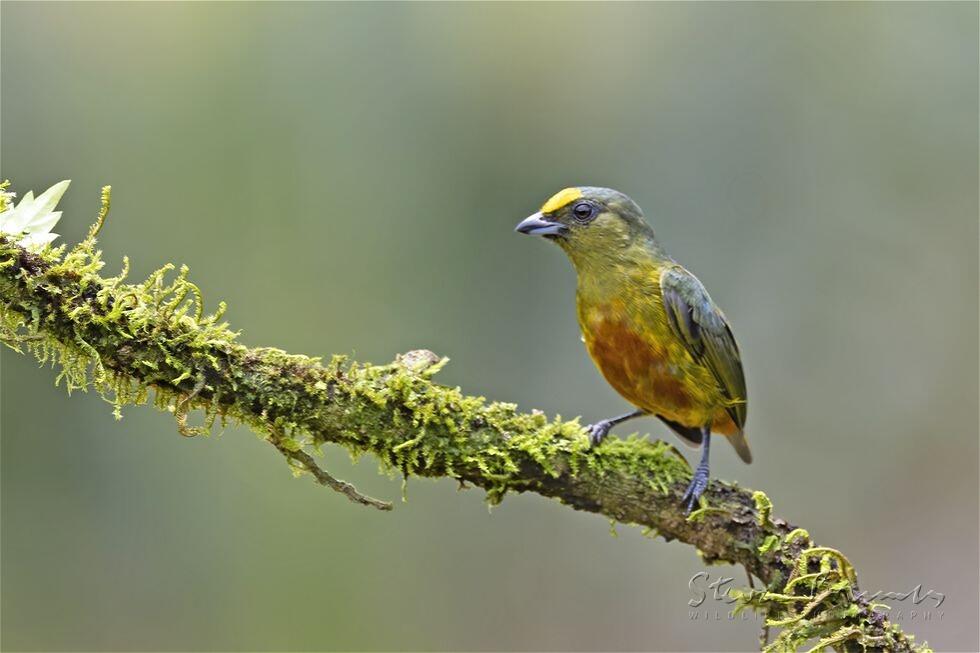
[699, 483]
[598, 431]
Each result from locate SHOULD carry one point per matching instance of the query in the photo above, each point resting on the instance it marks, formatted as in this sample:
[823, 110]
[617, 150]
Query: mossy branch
[127, 340]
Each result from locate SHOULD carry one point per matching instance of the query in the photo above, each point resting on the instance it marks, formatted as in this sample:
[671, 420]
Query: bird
[648, 324]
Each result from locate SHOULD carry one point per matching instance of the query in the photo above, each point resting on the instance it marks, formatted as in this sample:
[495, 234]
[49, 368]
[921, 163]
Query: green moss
[816, 603]
[763, 507]
[797, 534]
[768, 545]
[5, 198]
[700, 513]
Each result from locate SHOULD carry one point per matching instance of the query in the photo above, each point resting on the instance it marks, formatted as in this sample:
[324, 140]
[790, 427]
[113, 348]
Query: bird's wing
[703, 329]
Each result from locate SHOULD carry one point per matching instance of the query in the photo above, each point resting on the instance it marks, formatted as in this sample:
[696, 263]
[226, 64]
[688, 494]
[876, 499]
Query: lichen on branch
[154, 341]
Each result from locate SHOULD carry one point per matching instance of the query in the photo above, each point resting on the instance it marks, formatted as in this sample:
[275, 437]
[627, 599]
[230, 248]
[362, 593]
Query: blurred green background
[347, 177]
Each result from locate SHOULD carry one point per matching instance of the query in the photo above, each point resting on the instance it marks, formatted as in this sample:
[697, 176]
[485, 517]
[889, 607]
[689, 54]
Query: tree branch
[126, 339]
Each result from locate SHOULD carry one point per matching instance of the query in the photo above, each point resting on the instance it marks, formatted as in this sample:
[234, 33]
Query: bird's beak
[536, 225]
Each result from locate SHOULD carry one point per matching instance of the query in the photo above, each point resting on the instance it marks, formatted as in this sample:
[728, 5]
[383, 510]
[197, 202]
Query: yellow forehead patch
[561, 199]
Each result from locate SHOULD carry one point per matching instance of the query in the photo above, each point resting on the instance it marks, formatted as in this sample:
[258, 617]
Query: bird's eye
[583, 211]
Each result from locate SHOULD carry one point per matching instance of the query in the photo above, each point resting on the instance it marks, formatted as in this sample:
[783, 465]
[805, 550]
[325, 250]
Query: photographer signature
[702, 586]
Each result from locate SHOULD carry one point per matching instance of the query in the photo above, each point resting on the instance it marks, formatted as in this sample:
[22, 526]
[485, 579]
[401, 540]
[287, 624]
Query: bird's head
[589, 222]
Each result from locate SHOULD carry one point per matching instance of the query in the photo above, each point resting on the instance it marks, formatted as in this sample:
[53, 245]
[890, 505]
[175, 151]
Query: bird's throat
[615, 272]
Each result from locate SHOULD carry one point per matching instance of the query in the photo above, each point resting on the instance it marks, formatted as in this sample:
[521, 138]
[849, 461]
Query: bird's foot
[599, 430]
[699, 483]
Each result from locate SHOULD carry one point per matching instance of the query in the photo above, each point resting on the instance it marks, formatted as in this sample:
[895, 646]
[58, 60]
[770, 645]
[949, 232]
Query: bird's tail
[741, 446]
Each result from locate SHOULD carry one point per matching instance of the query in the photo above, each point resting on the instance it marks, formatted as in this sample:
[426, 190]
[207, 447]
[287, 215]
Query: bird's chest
[630, 341]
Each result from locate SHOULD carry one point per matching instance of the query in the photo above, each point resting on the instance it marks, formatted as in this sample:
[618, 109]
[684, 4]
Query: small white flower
[34, 218]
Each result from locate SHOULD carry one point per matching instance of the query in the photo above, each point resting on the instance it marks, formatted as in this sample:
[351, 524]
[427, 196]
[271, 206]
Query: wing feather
[703, 329]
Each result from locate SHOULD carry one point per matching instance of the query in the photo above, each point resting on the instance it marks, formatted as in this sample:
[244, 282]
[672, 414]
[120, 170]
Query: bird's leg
[600, 429]
[699, 482]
